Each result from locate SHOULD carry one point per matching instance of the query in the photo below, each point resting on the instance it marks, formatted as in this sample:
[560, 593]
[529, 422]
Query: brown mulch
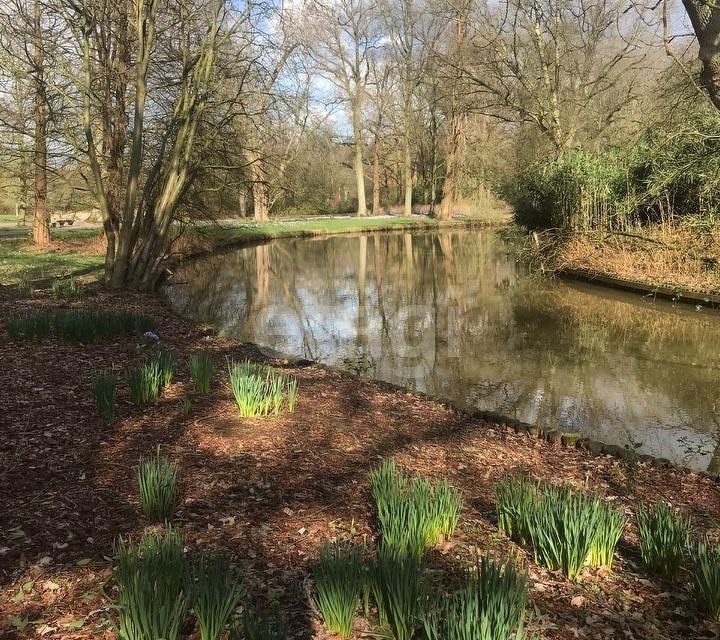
[271, 491]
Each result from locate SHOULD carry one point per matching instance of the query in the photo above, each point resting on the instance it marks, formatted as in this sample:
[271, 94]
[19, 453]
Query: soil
[271, 491]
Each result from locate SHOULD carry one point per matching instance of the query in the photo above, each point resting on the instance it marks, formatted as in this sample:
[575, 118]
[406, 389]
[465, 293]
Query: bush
[105, 388]
[260, 390]
[149, 577]
[145, 382]
[397, 587]
[490, 606]
[412, 512]
[200, 367]
[157, 481]
[339, 576]
[706, 579]
[609, 530]
[215, 589]
[664, 538]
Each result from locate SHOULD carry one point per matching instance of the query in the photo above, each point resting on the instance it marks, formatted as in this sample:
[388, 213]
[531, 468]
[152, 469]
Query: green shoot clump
[157, 481]
[260, 390]
[145, 382]
[706, 579]
[607, 535]
[516, 497]
[105, 388]
[200, 366]
[397, 589]
[664, 538]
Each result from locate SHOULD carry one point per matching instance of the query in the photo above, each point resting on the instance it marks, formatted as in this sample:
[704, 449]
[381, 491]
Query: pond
[454, 314]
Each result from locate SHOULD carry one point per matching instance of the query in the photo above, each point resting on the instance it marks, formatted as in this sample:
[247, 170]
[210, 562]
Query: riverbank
[678, 262]
[272, 491]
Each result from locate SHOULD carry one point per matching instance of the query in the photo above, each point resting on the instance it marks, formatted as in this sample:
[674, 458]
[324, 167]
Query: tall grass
[215, 589]
[105, 389]
[611, 525]
[515, 498]
[706, 578]
[664, 538]
[397, 589]
[157, 482]
[149, 577]
[490, 606]
[260, 390]
[80, 325]
[200, 366]
[339, 577]
[413, 513]
[145, 382]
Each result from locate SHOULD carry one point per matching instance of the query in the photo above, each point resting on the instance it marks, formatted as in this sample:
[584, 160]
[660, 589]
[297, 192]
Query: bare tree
[705, 18]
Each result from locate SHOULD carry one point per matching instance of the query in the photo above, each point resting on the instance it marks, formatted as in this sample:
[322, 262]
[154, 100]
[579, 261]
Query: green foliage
[164, 360]
[610, 527]
[185, 406]
[214, 591]
[339, 576]
[706, 578]
[664, 538]
[397, 589]
[79, 325]
[672, 172]
[157, 481]
[260, 390]
[515, 498]
[200, 366]
[149, 577]
[562, 529]
[145, 382]
[67, 289]
[105, 387]
[490, 606]
[413, 513]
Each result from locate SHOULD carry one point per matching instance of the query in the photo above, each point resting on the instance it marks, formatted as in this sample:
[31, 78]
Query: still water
[455, 315]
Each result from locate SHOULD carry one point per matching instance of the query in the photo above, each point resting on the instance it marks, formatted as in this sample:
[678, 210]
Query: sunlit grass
[260, 390]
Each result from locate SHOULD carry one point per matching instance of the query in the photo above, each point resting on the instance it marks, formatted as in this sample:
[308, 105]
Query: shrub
[706, 578]
[490, 606]
[664, 538]
[201, 371]
[259, 390]
[145, 382]
[609, 530]
[105, 387]
[149, 577]
[397, 587]
[515, 498]
[339, 577]
[157, 481]
[215, 590]
[562, 529]
[412, 512]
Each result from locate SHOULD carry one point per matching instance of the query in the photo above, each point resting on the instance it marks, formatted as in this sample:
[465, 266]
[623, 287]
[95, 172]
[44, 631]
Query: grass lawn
[21, 263]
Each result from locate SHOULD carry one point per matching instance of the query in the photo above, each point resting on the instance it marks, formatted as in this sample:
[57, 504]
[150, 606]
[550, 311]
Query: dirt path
[271, 491]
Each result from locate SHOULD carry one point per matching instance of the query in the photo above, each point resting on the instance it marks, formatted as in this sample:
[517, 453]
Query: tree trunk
[705, 19]
[358, 159]
[41, 221]
[260, 191]
[376, 176]
[455, 136]
[407, 173]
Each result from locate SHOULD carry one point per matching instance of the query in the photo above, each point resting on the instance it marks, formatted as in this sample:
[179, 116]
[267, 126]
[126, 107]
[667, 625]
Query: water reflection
[452, 314]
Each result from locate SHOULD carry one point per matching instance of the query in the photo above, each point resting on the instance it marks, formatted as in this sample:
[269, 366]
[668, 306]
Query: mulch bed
[272, 491]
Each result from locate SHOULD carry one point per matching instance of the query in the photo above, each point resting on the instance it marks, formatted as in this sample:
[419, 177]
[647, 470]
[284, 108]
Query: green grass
[260, 390]
[515, 498]
[706, 579]
[79, 325]
[610, 528]
[145, 382]
[397, 588]
[18, 263]
[664, 538]
[150, 576]
[490, 606]
[200, 366]
[339, 577]
[214, 589]
[105, 388]
[157, 483]
[413, 512]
